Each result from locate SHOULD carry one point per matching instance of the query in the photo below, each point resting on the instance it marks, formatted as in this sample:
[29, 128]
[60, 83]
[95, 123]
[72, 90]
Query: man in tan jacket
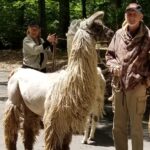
[128, 61]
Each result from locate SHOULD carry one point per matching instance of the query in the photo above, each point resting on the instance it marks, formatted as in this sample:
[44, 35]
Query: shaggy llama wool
[97, 110]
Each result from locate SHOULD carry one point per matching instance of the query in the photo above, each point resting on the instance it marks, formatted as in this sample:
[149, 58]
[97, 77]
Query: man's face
[133, 17]
[34, 31]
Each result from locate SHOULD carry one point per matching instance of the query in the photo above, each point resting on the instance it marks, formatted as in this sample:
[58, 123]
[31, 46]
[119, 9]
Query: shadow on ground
[103, 135]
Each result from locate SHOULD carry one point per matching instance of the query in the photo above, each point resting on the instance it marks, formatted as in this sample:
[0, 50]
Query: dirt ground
[12, 59]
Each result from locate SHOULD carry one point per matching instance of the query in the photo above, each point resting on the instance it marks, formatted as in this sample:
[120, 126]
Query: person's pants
[129, 108]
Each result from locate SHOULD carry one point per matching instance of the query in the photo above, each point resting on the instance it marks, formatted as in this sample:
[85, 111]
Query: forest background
[55, 16]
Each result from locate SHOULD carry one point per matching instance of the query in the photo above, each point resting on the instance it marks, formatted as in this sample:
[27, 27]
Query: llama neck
[83, 61]
[81, 71]
[83, 54]
[81, 81]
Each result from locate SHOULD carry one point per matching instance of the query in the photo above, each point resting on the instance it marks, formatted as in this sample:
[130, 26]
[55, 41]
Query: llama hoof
[91, 139]
[84, 142]
[91, 142]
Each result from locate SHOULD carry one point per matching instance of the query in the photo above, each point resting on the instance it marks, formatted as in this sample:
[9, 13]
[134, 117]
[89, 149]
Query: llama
[97, 110]
[63, 98]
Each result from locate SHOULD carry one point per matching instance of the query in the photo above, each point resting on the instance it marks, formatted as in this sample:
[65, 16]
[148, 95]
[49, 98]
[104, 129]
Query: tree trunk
[83, 8]
[42, 17]
[64, 19]
[21, 16]
[118, 3]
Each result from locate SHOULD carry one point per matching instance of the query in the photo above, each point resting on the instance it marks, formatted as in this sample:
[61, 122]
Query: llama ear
[97, 15]
[101, 15]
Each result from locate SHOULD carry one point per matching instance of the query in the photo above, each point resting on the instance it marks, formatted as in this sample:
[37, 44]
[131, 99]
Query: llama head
[94, 24]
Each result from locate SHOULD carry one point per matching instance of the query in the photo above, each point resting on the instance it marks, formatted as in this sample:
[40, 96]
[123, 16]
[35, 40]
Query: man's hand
[148, 82]
[52, 38]
[117, 71]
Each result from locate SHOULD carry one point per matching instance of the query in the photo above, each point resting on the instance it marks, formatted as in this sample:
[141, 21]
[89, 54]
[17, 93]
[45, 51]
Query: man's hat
[34, 24]
[135, 7]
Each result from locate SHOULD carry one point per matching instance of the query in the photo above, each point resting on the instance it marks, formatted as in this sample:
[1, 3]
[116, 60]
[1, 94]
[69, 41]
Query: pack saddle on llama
[62, 98]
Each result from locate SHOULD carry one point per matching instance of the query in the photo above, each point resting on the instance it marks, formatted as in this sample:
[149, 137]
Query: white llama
[97, 109]
[64, 98]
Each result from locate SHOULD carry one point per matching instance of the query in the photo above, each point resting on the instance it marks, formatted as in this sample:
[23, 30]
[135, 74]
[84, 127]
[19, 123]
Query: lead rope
[116, 85]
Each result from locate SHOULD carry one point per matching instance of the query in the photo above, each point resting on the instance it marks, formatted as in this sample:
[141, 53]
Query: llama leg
[67, 141]
[87, 129]
[52, 141]
[93, 127]
[11, 126]
[31, 128]
[52, 127]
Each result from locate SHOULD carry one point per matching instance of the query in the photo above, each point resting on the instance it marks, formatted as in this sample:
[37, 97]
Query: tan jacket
[131, 54]
[31, 53]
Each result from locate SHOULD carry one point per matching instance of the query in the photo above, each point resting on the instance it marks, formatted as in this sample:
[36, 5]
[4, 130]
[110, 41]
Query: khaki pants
[129, 108]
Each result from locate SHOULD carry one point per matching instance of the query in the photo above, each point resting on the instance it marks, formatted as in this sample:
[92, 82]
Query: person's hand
[148, 82]
[117, 71]
[52, 38]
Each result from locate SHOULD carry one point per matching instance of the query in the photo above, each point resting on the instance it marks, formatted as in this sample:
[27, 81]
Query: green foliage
[52, 15]
[9, 29]
[15, 15]
[75, 10]
[11, 26]
[146, 7]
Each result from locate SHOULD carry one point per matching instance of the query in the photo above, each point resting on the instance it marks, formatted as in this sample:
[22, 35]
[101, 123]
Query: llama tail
[12, 73]
[11, 126]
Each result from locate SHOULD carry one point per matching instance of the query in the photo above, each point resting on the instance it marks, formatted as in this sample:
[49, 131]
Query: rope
[116, 84]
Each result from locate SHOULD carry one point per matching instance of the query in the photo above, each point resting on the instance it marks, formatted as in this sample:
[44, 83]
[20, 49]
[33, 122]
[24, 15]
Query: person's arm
[30, 47]
[47, 44]
[110, 56]
[147, 76]
[52, 39]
